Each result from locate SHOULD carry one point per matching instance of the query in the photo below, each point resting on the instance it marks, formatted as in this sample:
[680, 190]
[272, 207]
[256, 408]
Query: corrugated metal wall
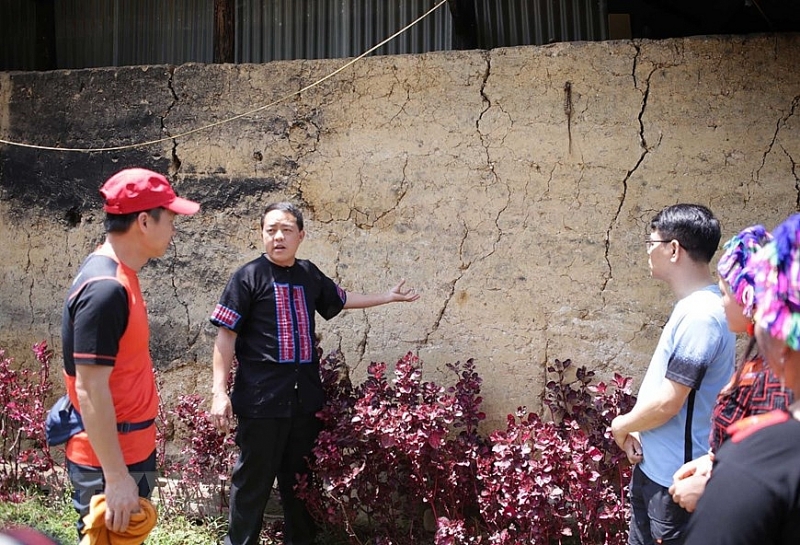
[18, 34]
[129, 32]
[317, 29]
[504, 23]
[314, 29]
[90, 33]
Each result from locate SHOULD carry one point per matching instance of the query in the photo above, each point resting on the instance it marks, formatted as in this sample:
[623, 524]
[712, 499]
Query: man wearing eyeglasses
[694, 359]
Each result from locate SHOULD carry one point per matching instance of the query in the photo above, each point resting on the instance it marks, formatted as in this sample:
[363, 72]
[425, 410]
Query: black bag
[63, 421]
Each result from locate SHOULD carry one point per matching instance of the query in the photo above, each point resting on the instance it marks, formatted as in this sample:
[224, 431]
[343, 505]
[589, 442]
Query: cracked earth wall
[512, 187]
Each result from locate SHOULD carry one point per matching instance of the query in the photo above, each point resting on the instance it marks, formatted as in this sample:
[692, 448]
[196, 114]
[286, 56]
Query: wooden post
[224, 31]
[465, 24]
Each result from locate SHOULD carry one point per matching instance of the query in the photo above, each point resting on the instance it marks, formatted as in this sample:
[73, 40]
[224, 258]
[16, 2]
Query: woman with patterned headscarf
[754, 389]
[753, 495]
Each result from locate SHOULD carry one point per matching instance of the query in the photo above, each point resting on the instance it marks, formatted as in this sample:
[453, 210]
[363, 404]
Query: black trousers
[655, 517]
[88, 481]
[271, 448]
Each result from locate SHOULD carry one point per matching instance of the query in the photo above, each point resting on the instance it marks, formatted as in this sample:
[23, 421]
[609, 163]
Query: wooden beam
[224, 31]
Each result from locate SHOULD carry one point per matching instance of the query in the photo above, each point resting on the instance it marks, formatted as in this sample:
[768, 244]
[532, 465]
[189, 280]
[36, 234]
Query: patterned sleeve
[234, 303]
[99, 313]
[698, 339]
[332, 297]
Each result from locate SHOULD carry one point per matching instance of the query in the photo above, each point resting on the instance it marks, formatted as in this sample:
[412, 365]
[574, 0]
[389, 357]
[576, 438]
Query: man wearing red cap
[107, 366]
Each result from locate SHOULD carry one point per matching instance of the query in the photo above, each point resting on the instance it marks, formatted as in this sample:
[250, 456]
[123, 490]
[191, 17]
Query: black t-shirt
[753, 495]
[272, 310]
[95, 314]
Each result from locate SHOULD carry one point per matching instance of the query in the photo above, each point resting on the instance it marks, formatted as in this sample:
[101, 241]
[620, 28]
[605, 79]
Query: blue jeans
[655, 519]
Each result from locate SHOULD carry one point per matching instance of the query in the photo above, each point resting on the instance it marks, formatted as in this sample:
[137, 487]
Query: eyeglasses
[650, 243]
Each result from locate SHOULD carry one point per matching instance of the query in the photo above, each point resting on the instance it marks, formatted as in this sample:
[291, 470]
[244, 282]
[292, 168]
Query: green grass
[55, 517]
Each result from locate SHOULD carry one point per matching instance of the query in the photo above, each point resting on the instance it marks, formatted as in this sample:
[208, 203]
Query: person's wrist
[116, 476]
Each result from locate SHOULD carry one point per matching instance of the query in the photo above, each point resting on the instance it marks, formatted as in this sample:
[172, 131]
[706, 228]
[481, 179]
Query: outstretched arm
[396, 294]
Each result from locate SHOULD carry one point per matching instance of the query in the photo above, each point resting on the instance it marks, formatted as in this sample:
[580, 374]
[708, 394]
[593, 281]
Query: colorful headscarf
[776, 271]
[732, 265]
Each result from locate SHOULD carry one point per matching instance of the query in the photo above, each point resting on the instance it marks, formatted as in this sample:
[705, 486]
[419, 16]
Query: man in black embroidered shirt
[266, 318]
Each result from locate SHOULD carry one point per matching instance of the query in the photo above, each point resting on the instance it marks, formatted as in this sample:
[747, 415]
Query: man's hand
[122, 500]
[701, 465]
[397, 293]
[633, 448]
[221, 412]
[689, 482]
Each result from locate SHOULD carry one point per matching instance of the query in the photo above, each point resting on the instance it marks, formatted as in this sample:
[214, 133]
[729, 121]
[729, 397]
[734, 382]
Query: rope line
[238, 116]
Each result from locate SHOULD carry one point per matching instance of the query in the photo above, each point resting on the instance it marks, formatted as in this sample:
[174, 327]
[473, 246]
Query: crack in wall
[402, 109]
[544, 367]
[368, 223]
[362, 343]
[645, 151]
[486, 102]
[400, 196]
[778, 126]
[181, 301]
[438, 320]
[465, 265]
[175, 162]
[796, 176]
[32, 283]
[568, 107]
[550, 178]
[310, 119]
[489, 162]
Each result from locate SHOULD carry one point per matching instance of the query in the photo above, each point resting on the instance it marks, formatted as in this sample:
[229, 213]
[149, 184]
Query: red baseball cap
[138, 189]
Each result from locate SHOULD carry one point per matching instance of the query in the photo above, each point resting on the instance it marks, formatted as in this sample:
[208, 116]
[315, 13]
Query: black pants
[88, 481]
[655, 517]
[271, 448]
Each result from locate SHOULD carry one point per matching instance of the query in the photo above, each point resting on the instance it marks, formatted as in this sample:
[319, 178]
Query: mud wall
[512, 187]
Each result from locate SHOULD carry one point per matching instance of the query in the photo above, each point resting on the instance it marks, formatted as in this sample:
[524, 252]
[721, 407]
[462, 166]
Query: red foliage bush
[25, 459]
[393, 450]
[399, 461]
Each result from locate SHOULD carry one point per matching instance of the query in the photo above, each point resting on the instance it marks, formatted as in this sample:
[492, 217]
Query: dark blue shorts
[655, 518]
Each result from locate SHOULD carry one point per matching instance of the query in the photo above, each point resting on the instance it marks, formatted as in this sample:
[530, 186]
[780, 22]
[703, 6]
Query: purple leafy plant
[26, 459]
[196, 480]
[398, 453]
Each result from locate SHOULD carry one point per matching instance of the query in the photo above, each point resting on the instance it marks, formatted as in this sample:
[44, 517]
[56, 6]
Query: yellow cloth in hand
[96, 533]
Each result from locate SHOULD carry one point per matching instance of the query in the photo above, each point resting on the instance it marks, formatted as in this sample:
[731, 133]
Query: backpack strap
[687, 437]
[127, 427]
